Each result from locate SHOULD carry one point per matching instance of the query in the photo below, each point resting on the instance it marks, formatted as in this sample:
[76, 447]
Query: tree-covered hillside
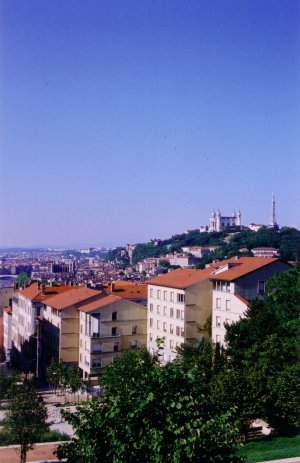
[287, 240]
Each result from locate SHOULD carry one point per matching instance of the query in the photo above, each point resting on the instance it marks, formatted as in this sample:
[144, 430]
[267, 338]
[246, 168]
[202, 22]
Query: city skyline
[126, 121]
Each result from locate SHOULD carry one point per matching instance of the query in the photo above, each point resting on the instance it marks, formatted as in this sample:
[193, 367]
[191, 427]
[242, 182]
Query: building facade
[235, 283]
[179, 303]
[109, 326]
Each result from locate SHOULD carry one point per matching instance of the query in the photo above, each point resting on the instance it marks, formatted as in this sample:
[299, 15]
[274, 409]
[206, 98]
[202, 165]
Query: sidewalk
[284, 460]
[41, 453]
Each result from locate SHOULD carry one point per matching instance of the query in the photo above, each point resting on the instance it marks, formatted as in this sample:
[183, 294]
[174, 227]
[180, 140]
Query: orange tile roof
[35, 292]
[241, 266]
[182, 278]
[99, 303]
[74, 296]
[127, 289]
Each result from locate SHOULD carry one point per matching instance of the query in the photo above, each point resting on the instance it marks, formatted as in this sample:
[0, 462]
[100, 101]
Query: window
[218, 339]
[114, 331]
[165, 326]
[158, 324]
[158, 294]
[261, 287]
[165, 295]
[151, 322]
[150, 336]
[96, 363]
[218, 321]
[116, 346]
[133, 344]
[114, 316]
[171, 343]
[180, 298]
[228, 321]
[218, 303]
[228, 304]
[172, 296]
[182, 315]
[178, 314]
[134, 329]
[165, 310]
[171, 329]
[151, 292]
[171, 313]
[158, 309]
[151, 307]
[177, 331]
[182, 332]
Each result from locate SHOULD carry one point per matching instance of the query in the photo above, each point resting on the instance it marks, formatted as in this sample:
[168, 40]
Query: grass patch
[50, 436]
[272, 449]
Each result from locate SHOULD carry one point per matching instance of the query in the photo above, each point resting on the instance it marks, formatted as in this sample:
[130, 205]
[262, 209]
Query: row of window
[179, 314]
[218, 321]
[114, 331]
[178, 330]
[223, 286]
[159, 294]
[219, 305]
[171, 344]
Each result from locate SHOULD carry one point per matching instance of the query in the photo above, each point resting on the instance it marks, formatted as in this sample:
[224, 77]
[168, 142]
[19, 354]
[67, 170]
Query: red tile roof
[35, 292]
[237, 267]
[240, 267]
[128, 290]
[74, 296]
[182, 278]
[99, 303]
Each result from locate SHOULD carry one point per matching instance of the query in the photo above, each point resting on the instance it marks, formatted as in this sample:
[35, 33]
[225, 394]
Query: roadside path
[41, 453]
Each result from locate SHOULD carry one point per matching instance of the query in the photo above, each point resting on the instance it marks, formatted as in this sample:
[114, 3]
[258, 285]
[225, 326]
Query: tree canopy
[148, 412]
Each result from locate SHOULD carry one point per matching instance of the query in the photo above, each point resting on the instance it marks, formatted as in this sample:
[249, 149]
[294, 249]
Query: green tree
[23, 278]
[153, 413]
[25, 418]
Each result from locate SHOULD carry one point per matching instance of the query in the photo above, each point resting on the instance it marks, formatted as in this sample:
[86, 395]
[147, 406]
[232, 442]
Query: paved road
[41, 453]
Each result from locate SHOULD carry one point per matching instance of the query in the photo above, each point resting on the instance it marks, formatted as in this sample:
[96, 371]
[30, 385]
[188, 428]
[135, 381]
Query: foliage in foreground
[154, 414]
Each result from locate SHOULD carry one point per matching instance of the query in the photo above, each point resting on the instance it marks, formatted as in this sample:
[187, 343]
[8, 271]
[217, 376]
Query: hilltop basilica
[217, 222]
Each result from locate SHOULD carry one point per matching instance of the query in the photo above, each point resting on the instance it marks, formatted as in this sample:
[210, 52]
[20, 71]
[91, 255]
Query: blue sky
[125, 120]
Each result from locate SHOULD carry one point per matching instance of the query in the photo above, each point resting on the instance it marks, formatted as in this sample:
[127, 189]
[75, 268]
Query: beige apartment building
[235, 282]
[179, 303]
[108, 326]
[59, 330]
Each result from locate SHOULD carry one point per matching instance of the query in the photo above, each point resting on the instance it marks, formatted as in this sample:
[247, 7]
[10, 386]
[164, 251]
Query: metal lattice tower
[273, 222]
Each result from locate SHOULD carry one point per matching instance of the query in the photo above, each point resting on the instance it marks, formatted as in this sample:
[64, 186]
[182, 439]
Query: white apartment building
[179, 303]
[235, 282]
[7, 327]
[108, 326]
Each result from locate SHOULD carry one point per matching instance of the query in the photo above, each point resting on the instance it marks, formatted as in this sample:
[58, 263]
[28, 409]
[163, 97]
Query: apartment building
[59, 324]
[235, 282]
[179, 303]
[7, 327]
[26, 306]
[108, 326]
